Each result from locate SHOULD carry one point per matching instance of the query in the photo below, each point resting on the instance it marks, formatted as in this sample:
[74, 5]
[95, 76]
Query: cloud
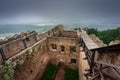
[39, 11]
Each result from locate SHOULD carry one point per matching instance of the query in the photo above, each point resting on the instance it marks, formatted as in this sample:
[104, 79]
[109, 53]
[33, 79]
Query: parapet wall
[54, 31]
[68, 33]
[17, 43]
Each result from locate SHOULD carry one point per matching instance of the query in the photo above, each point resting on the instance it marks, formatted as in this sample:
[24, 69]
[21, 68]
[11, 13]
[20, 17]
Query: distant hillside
[106, 35]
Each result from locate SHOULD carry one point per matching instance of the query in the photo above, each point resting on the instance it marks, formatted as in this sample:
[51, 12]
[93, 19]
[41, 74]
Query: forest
[105, 35]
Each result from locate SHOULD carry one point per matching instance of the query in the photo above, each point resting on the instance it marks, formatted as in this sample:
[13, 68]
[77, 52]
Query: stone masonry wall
[25, 40]
[35, 54]
[109, 57]
[35, 63]
[51, 32]
[68, 33]
[66, 55]
[17, 43]
[27, 53]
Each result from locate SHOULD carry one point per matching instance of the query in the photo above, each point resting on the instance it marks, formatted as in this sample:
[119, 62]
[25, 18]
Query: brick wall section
[12, 48]
[68, 33]
[15, 37]
[15, 48]
[35, 64]
[66, 56]
[83, 64]
[109, 57]
[31, 40]
[55, 31]
[16, 45]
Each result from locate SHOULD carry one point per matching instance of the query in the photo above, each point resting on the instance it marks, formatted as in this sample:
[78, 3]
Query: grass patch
[71, 74]
[49, 72]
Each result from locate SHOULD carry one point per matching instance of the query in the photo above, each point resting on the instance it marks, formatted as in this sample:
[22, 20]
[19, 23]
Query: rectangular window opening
[54, 46]
[27, 39]
[62, 48]
[73, 60]
[72, 49]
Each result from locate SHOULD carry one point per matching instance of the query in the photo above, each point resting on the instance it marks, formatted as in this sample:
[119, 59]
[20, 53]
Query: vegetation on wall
[71, 74]
[7, 71]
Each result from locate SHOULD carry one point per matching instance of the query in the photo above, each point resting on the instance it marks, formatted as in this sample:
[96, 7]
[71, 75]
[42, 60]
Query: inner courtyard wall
[57, 54]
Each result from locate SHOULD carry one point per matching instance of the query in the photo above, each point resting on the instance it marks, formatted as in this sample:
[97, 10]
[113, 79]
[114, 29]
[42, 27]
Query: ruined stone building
[29, 54]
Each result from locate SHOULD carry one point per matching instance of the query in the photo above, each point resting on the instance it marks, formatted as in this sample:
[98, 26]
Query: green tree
[106, 35]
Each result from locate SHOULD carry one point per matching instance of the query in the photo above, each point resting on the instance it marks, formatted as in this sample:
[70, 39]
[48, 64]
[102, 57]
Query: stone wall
[15, 45]
[23, 63]
[83, 64]
[54, 31]
[60, 50]
[35, 63]
[68, 33]
[112, 57]
[27, 54]
[30, 52]
[109, 58]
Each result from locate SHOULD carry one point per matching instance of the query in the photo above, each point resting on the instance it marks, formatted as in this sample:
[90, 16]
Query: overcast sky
[59, 11]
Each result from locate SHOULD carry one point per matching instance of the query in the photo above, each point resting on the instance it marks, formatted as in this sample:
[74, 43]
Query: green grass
[71, 75]
[49, 72]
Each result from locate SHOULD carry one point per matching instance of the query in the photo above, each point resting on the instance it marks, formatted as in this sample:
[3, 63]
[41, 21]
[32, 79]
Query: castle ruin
[30, 53]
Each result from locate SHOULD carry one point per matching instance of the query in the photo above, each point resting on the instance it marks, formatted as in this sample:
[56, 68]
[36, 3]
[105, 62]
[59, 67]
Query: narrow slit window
[72, 49]
[73, 60]
[62, 48]
[27, 39]
[54, 46]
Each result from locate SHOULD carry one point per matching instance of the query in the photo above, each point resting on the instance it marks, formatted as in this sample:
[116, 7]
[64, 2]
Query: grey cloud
[89, 11]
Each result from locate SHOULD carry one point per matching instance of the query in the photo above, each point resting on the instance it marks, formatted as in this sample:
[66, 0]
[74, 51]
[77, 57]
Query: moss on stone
[19, 63]
[40, 47]
[7, 70]
[28, 53]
